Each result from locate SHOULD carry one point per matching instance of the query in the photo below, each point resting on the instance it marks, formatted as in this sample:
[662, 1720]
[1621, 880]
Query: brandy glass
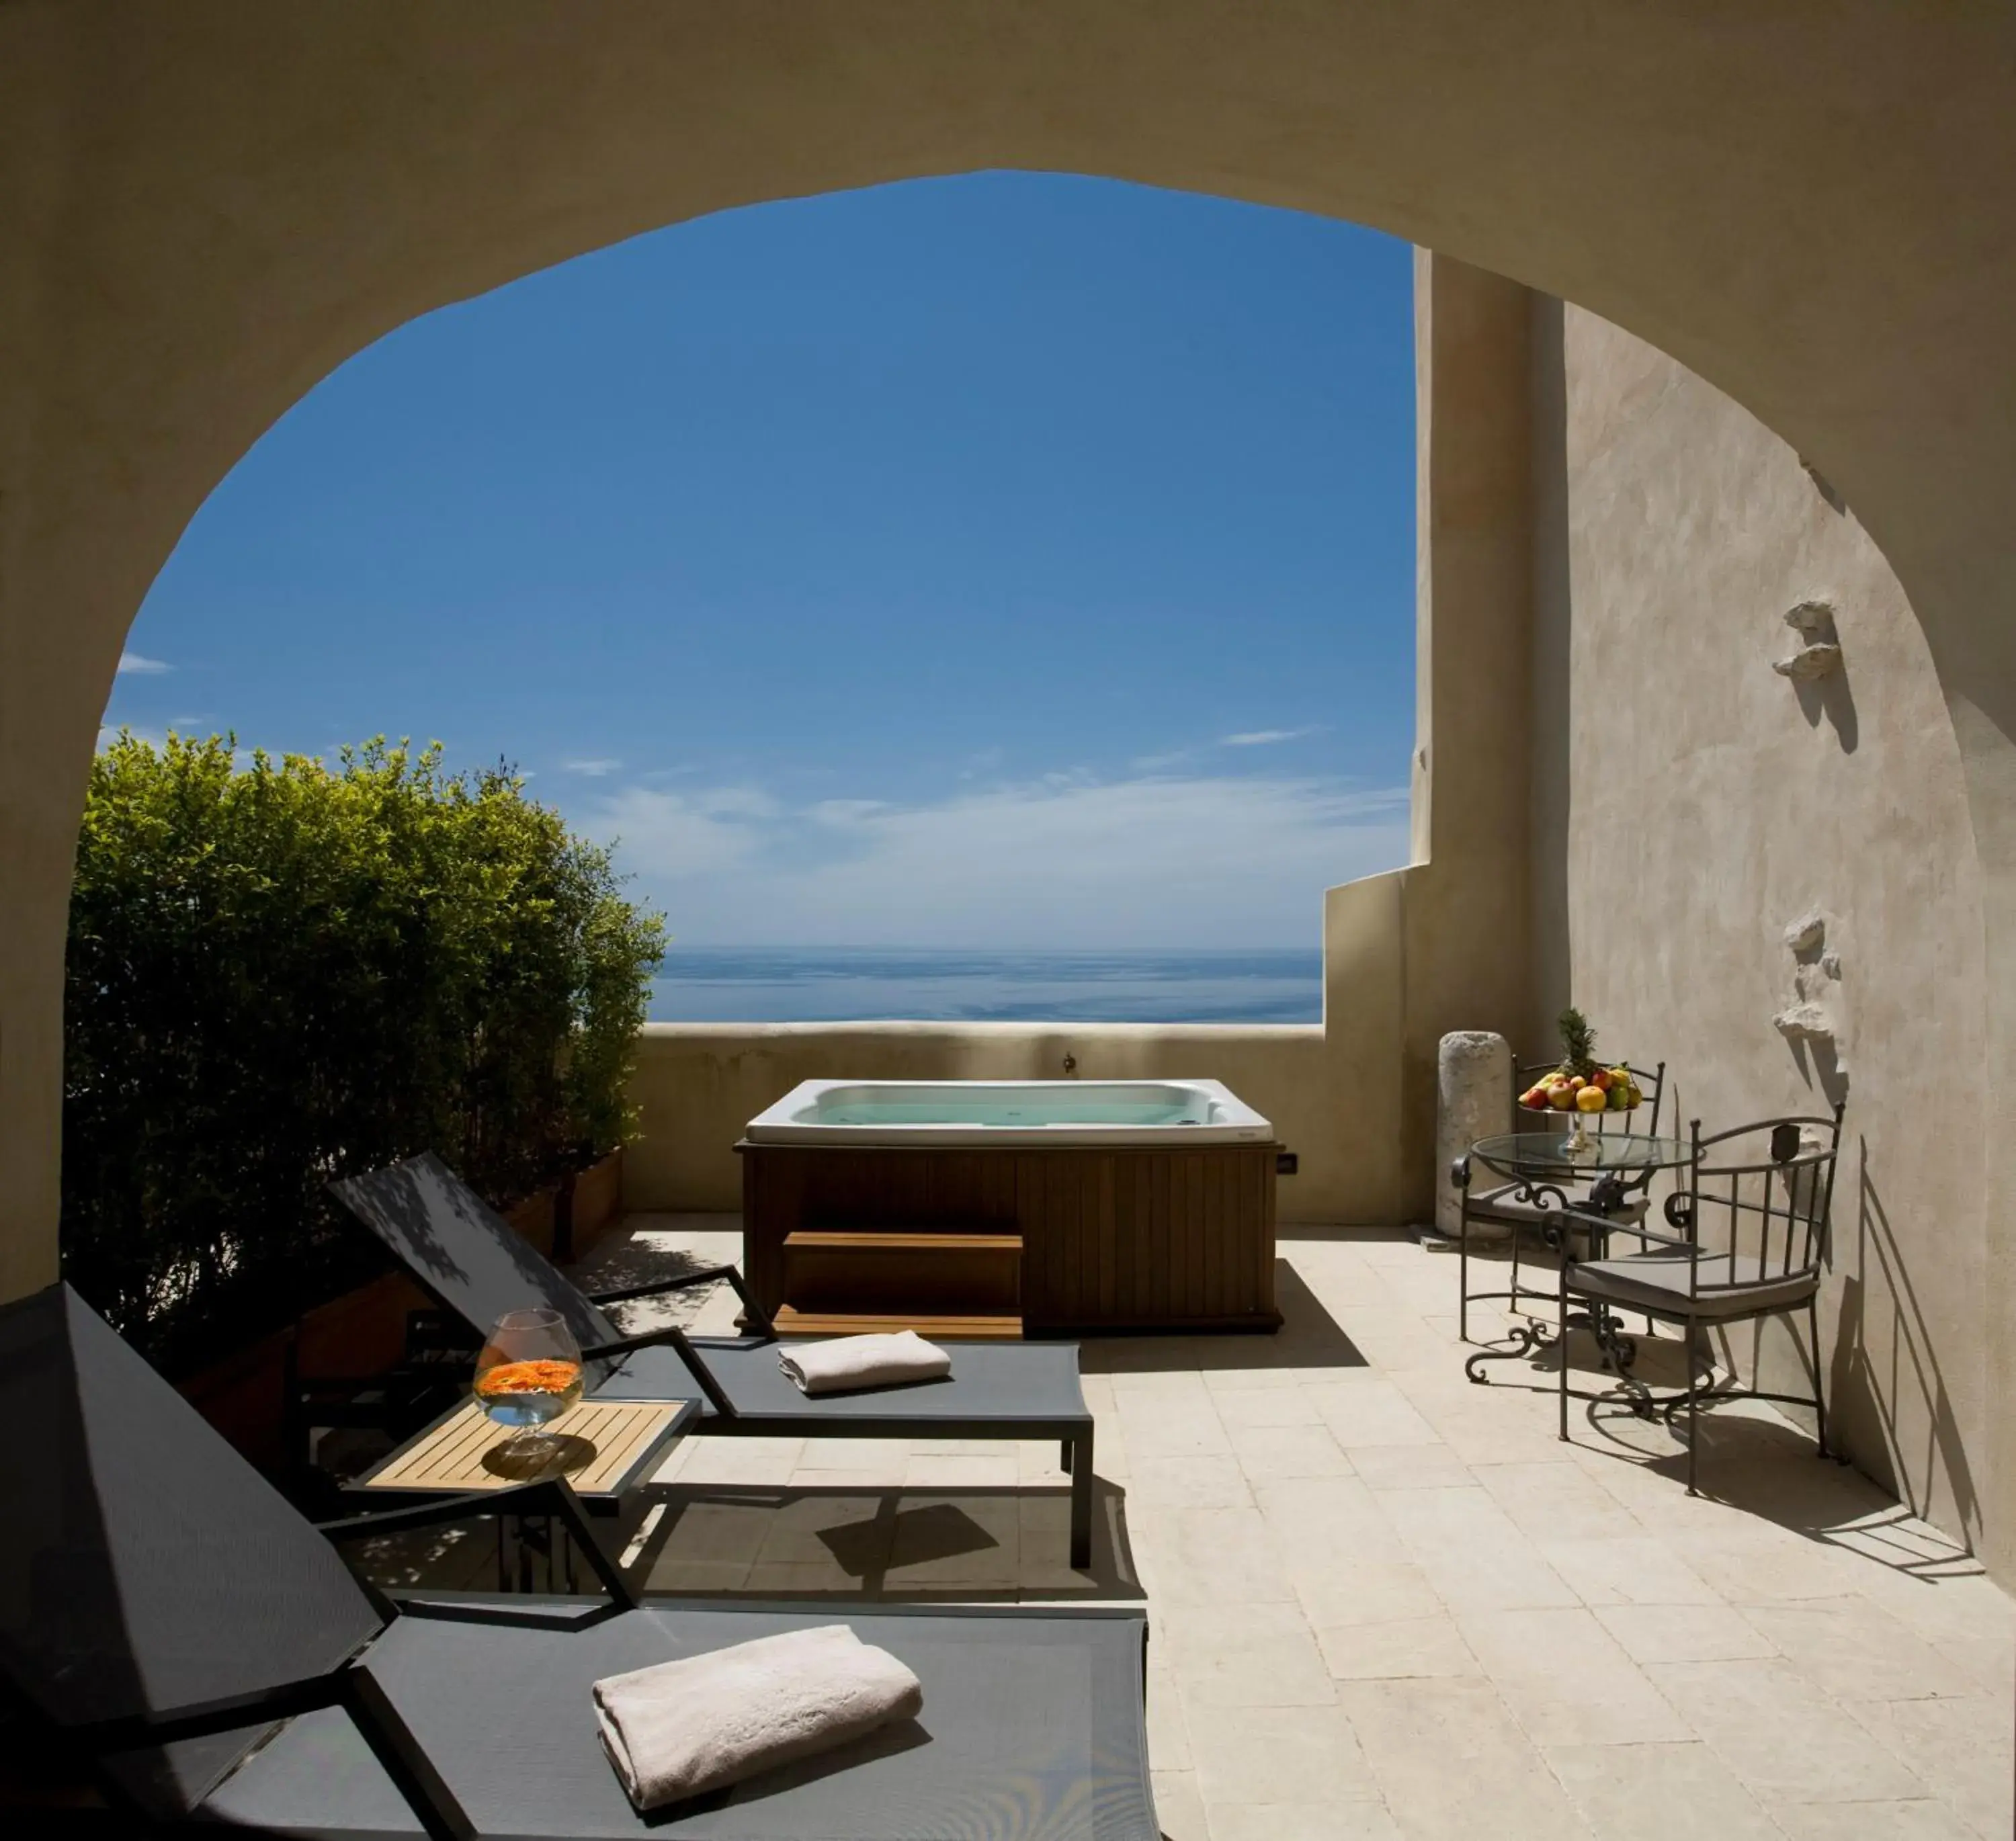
[528, 1374]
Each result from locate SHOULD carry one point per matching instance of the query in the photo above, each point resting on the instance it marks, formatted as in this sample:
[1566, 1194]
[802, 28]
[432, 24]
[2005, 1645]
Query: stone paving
[1386, 1602]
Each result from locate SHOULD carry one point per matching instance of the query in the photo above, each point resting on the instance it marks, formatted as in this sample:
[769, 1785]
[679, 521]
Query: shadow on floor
[1308, 1337]
[1751, 1460]
[909, 1542]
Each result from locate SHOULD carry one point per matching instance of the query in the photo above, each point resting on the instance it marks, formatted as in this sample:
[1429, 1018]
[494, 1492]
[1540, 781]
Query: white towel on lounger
[682, 1728]
[845, 1363]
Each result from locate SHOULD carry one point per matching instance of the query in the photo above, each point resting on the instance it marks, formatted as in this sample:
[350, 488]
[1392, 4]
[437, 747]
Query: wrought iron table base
[1618, 1349]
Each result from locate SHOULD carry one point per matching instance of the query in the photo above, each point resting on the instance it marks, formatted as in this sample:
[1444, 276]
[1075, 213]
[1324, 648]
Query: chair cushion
[1032, 1724]
[1659, 1280]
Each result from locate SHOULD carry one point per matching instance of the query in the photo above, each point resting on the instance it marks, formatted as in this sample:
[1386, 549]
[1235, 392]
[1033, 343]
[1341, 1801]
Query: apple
[1600, 1080]
[1560, 1095]
[1534, 1099]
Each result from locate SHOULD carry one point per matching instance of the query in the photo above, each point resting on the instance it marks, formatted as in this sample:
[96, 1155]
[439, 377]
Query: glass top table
[1526, 1153]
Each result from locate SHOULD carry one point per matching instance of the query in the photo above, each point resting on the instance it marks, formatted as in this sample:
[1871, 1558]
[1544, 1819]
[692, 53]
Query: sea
[860, 984]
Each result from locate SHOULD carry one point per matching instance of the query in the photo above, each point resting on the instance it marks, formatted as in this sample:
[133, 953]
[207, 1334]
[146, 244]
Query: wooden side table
[610, 1446]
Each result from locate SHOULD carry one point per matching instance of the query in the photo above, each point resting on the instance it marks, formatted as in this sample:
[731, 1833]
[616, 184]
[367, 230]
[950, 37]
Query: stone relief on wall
[1819, 650]
[1815, 1022]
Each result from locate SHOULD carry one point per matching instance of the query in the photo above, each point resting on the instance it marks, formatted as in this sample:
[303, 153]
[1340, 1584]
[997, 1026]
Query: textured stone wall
[1759, 864]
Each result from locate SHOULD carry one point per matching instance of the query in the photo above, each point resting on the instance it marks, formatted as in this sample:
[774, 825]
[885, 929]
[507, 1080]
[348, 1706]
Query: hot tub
[1050, 1112]
[1004, 1208]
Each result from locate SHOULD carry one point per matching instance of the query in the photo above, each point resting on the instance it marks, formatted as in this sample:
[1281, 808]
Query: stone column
[1473, 1100]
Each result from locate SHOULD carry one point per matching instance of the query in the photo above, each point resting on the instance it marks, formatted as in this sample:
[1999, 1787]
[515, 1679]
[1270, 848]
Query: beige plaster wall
[1699, 803]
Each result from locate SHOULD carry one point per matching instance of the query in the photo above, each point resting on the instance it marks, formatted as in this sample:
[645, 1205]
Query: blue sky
[1010, 560]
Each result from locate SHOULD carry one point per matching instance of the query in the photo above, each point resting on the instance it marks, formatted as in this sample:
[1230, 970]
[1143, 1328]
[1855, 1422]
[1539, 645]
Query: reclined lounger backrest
[461, 1250]
[144, 1564]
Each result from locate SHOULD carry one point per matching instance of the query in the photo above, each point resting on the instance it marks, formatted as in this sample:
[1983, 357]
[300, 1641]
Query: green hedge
[281, 972]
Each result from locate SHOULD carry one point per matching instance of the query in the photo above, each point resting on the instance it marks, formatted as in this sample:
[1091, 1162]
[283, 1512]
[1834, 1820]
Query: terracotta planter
[592, 1199]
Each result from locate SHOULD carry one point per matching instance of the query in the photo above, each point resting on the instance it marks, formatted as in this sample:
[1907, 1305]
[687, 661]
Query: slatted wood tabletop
[612, 1441]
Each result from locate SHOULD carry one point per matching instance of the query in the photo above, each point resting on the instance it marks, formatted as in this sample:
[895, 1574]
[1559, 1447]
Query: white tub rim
[1233, 1122]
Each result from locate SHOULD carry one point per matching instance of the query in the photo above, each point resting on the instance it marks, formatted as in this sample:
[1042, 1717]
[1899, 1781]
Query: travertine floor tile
[998, 1470]
[1568, 1680]
[1455, 1765]
[1683, 1633]
[1266, 1754]
[1335, 1594]
[1962, 1748]
[1185, 1483]
[1471, 1552]
[741, 1460]
[1366, 1411]
[1169, 1733]
[1326, 1520]
[1408, 1648]
[1556, 1502]
[1213, 1556]
[1265, 1406]
[1167, 1425]
[1411, 1467]
[1854, 1650]
[1245, 1656]
[1923, 1821]
[1300, 1821]
[888, 1455]
[1179, 1808]
[1637, 1570]
[1680, 1791]
[1270, 1453]
[1781, 1735]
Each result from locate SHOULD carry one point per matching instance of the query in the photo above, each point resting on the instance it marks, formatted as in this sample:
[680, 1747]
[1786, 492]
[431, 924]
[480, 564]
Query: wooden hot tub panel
[1068, 1240]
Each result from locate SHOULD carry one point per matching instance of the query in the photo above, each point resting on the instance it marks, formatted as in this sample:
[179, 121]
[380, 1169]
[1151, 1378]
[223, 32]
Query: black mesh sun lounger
[172, 1618]
[466, 1257]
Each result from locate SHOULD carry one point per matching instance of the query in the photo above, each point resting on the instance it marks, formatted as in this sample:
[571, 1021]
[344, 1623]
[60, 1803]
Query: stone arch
[207, 207]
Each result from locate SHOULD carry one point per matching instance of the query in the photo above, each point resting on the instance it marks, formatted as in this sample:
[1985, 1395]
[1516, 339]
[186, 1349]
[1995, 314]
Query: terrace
[1700, 358]
[1384, 1602]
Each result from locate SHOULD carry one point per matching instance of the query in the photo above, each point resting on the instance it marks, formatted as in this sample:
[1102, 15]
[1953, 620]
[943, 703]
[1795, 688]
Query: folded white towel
[684, 1728]
[847, 1362]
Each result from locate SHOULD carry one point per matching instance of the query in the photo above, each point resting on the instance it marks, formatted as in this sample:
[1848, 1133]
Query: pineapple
[1578, 1044]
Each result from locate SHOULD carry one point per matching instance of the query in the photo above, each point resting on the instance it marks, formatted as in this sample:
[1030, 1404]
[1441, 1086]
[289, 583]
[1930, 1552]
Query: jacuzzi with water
[1053, 1112]
[1000, 1208]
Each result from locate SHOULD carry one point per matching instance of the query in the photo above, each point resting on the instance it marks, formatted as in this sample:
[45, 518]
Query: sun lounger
[463, 1253]
[172, 1617]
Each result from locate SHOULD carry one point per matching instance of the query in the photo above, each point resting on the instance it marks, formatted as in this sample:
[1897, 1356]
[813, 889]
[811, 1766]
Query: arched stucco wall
[1691, 805]
[203, 208]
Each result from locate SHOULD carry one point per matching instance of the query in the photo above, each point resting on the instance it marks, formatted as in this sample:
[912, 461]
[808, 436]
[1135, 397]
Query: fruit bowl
[1578, 1098]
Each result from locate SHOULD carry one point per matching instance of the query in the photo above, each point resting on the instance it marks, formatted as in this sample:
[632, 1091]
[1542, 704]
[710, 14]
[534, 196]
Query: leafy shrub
[283, 972]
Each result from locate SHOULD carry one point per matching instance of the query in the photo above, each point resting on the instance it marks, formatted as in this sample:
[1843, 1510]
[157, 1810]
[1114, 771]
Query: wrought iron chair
[1746, 1240]
[1520, 1207]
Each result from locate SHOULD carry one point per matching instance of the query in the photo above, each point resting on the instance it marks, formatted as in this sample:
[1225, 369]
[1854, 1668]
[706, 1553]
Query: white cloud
[132, 665]
[595, 769]
[1263, 738]
[1066, 861]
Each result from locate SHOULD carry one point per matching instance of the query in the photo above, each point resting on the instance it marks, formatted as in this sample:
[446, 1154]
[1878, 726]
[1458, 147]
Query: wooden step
[840, 1272]
[790, 1322]
[866, 1240]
